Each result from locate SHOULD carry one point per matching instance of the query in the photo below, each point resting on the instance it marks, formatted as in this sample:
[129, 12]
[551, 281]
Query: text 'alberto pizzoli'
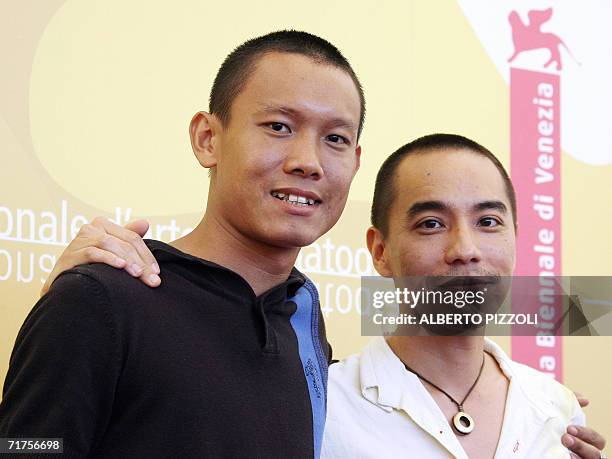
[455, 319]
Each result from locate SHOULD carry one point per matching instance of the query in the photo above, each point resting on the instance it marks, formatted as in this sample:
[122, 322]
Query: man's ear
[376, 246]
[203, 131]
[358, 155]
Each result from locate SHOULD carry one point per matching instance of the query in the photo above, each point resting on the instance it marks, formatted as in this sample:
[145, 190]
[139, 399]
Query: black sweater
[198, 367]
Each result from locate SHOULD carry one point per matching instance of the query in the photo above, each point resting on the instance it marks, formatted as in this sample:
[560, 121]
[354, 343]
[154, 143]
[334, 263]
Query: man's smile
[297, 197]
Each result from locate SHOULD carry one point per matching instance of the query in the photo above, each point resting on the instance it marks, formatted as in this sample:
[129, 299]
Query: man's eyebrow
[342, 123]
[491, 205]
[278, 109]
[333, 123]
[425, 206]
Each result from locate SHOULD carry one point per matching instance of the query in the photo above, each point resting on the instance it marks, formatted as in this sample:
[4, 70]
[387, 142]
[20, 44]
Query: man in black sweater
[202, 367]
[228, 358]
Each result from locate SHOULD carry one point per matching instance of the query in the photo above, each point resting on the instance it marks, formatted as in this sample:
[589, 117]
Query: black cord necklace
[462, 422]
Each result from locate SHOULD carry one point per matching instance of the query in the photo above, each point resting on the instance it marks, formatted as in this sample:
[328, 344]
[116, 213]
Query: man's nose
[462, 248]
[304, 158]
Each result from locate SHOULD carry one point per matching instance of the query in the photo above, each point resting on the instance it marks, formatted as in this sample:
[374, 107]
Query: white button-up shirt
[377, 409]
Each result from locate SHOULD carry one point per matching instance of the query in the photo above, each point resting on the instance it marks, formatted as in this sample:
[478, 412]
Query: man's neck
[452, 363]
[261, 265]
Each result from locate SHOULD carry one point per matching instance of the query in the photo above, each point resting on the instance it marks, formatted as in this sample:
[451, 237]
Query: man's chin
[292, 239]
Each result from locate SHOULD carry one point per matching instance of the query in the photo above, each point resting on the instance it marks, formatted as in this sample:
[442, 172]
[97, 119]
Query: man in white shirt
[444, 206]
[378, 409]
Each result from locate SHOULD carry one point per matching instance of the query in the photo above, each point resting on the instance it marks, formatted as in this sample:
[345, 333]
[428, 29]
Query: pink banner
[535, 152]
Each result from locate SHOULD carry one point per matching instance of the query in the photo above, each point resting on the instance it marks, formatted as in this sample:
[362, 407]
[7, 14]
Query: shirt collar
[511, 369]
[381, 372]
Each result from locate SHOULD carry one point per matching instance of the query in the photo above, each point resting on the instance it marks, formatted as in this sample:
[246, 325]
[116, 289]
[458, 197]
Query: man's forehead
[296, 82]
[454, 177]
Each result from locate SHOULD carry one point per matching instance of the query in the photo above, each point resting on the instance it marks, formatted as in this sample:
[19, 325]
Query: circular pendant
[463, 423]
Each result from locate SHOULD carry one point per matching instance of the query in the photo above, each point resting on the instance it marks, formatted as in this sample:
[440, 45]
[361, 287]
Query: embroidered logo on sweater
[311, 372]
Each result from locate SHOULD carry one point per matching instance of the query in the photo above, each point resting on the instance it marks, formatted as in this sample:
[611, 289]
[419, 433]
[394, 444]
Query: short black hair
[240, 64]
[384, 189]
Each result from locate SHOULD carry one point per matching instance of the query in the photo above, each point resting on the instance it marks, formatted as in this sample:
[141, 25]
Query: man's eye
[279, 127]
[338, 139]
[489, 222]
[430, 224]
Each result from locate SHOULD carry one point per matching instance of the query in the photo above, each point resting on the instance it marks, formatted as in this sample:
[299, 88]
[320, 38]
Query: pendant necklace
[462, 422]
